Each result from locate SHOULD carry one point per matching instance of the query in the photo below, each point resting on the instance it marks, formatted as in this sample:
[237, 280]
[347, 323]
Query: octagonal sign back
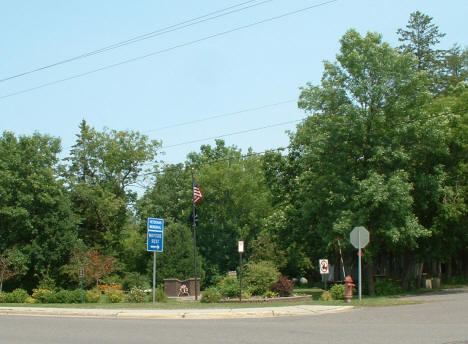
[359, 234]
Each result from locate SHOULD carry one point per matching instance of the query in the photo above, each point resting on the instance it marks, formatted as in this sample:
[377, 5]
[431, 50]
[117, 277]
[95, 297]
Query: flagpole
[194, 224]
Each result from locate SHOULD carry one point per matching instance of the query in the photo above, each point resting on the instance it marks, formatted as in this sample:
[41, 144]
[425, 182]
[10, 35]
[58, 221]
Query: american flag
[197, 195]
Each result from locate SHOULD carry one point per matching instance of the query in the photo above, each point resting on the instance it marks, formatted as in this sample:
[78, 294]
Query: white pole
[359, 265]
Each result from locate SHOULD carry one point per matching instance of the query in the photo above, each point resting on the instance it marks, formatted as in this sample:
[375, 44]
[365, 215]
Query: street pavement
[441, 319]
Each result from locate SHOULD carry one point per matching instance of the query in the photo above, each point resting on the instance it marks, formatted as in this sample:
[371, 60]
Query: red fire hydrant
[349, 285]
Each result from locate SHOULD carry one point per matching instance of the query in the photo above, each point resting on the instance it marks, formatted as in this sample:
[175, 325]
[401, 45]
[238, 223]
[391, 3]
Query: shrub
[68, 296]
[93, 295]
[115, 295]
[283, 286]
[16, 296]
[259, 276]
[246, 294]
[134, 279]
[337, 291]
[43, 295]
[211, 295]
[459, 279]
[387, 287]
[326, 296]
[104, 287]
[228, 287]
[30, 300]
[270, 294]
[136, 295]
[161, 295]
[46, 282]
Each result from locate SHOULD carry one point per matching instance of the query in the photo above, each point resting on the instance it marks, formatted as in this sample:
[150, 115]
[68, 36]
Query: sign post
[240, 249]
[324, 271]
[155, 243]
[359, 237]
[81, 276]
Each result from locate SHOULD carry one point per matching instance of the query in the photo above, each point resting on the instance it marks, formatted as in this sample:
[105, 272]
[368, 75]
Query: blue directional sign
[155, 224]
[155, 235]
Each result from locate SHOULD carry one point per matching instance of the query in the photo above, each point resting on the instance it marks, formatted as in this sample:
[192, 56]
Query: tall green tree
[103, 167]
[35, 211]
[420, 38]
[235, 203]
[357, 159]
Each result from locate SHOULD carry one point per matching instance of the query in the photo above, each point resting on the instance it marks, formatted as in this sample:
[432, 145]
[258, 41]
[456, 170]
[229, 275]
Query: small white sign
[240, 247]
[323, 263]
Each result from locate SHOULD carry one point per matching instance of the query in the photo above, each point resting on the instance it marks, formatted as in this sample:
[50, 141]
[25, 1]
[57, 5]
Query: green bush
[211, 295]
[161, 295]
[43, 295]
[228, 287]
[387, 287]
[337, 291]
[30, 300]
[16, 296]
[68, 296]
[93, 295]
[326, 296]
[270, 294]
[134, 279]
[246, 294]
[459, 280]
[259, 276]
[115, 295]
[136, 295]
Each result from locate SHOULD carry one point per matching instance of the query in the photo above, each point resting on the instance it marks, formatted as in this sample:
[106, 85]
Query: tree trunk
[449, 270]
[465, 263]
[407, 267]
[420, 270]
[370, 276]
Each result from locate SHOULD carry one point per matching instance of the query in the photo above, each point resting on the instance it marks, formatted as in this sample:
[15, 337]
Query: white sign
[323, 263]
[240, 247]
[359, 237]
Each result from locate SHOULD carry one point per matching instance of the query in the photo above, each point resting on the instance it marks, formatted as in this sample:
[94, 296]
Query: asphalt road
[442, 319]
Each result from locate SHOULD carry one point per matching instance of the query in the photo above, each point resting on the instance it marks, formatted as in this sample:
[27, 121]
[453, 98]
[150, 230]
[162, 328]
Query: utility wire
[231, 134]
[289, 146]
[243, 27]
[159, 32]
[227, 114]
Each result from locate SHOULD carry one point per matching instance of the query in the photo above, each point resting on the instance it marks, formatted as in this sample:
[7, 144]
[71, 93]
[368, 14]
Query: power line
[288, 147]
[212, 161]
[159, 32]
[227, 114]
[243, 27]
[231, 134]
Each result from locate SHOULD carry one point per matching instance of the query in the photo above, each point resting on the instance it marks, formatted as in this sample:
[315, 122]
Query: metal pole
[240, 279]
[359, 264]
[194, 242]
[82, 291]
[154, 276]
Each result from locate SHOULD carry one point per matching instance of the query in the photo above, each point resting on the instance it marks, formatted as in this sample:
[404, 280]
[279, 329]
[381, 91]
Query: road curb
[235, 313]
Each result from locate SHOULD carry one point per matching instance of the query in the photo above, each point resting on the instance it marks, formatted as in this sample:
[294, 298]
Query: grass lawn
[378, 301]
[175, 304]
[366, 302]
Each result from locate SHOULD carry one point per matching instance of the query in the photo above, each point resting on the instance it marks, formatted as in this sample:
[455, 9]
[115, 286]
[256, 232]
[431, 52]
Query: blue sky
[250, 68]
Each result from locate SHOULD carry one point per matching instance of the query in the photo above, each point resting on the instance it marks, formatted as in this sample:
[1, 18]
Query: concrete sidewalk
[225, 313]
